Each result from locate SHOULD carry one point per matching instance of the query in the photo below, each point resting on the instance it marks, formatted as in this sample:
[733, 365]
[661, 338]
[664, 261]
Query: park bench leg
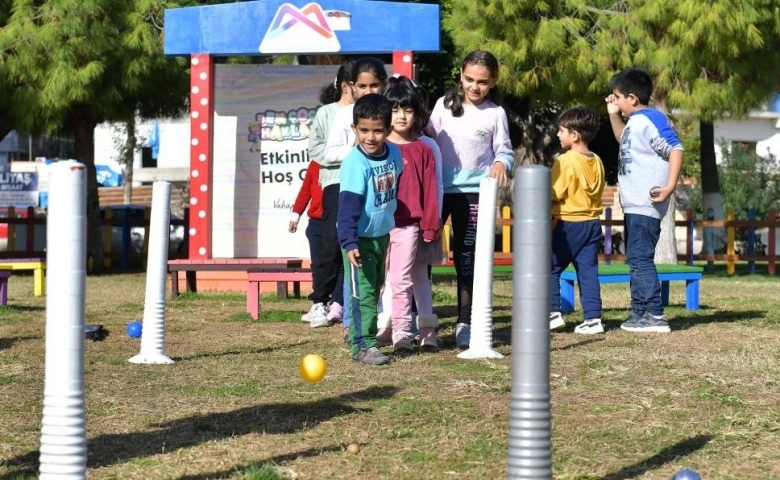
[192, 279]
[297, 289]
[4, 291]
[174, 283]
[665, 293]
[39, 282]
[253, 299]
[692, 294]
[281, 289]
[567, 296]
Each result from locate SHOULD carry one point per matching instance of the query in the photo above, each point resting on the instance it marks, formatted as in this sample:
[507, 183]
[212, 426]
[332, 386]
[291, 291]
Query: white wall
[758, 127]
[174, 143]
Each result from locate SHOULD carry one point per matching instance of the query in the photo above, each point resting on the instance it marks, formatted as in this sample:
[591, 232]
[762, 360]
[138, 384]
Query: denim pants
[642, 234]
[577, 243]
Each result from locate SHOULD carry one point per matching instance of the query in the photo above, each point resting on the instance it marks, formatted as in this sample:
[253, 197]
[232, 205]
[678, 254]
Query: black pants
[329, 265]
[463, 208]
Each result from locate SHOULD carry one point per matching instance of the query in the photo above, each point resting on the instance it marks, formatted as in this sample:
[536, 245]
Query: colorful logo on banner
[306, 30]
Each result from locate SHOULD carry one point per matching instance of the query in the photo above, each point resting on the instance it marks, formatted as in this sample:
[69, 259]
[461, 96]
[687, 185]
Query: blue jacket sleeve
[347, 224]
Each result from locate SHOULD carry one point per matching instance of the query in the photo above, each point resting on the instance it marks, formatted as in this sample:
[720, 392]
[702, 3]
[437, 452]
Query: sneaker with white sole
[370, 356]
[462, 335]
[306, 317]
[334, 312]
[556, 321]
[589, 327]
[318, 317]
[646, 323]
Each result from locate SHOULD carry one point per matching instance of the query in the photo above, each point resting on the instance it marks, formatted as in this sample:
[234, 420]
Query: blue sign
[301, 27]
[19, 189]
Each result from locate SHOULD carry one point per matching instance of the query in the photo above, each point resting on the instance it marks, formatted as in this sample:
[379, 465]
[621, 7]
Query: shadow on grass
[667, 455]
[6, 343]
[277, 460]
[225, 353]
[273, 418]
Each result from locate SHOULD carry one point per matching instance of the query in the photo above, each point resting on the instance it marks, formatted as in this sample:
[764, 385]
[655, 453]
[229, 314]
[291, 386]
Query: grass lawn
[624, 405]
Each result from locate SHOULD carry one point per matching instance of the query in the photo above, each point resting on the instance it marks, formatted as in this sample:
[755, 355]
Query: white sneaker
[306, 317]
[462, 335]
[318, 316]
[589, 327]
[556, 321]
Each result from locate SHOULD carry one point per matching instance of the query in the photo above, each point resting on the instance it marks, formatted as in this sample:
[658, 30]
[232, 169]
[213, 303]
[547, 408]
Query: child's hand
[498, 171]
[354, 258]
[612, 106]
[293, 227]
[660, 194]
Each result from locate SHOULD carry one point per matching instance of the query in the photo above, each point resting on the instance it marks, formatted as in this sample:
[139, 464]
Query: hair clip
[336, 82]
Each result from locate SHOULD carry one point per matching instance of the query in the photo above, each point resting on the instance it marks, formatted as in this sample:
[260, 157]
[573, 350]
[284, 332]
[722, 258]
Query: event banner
[263, 116]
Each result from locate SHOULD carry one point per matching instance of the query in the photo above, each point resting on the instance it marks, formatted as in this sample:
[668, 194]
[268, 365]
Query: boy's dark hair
[400, 93]
[331, 93]
[583, 120]
[370, 65]
[636, 81]
[372, 106]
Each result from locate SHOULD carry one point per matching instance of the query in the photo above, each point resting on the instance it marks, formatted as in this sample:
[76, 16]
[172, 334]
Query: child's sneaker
[556, 321]
[647, 323]
[318, 317]
[334, 312]
[370, 356]
[306, 317]
[402, 342]
[427, 325]
[462, 335]
[589, 327]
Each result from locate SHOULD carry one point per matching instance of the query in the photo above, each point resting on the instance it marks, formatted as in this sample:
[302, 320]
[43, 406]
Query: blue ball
[134, 329]
[686, 474]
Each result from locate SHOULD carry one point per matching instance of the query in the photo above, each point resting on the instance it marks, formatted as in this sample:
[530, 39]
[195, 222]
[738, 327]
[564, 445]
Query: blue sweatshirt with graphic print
[367, 194]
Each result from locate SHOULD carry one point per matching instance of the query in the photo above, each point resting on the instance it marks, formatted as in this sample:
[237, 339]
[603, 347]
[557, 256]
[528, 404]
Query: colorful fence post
[608, 235]
[709, 240]
[771, 241]
[730, 233]
[107, 229]
[751, 242]
[11, 245]
[506, 230]
[30, 233]
[126, 239]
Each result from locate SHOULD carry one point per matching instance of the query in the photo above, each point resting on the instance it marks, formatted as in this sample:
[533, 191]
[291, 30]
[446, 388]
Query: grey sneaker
[589, 327]
[647, 323]
[632, 321]
[370, 356]
[462, 335]
[556, 321]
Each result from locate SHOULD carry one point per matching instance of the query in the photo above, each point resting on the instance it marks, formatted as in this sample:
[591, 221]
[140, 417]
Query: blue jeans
[641, 236]
[577, 243]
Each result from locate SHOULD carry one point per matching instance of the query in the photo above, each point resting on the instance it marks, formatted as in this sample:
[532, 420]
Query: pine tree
[78, 63]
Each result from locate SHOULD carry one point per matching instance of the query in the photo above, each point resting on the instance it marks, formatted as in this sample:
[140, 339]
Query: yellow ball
[312, 368]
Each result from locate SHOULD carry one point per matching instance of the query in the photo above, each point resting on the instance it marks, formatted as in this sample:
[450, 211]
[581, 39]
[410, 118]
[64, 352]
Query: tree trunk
[84, 144]
[712, 202]
[129, 159]
[666, 250]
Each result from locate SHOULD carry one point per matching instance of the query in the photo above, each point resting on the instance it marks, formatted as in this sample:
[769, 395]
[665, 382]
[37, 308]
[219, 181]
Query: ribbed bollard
[530, 443]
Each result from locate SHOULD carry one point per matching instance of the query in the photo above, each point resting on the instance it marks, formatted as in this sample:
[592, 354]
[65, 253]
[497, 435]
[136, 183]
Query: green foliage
[748, 181]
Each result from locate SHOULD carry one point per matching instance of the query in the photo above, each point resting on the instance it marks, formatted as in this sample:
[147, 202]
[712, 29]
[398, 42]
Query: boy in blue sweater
[367, 203]
[649, 166]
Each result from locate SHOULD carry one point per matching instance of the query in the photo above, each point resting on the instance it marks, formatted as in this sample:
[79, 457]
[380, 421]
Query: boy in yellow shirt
[577, 185]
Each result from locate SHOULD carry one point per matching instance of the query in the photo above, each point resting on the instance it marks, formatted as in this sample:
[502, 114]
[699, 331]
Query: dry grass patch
[624, 405]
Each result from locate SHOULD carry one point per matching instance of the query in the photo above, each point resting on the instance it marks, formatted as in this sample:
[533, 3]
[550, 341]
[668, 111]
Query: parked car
[136, 212]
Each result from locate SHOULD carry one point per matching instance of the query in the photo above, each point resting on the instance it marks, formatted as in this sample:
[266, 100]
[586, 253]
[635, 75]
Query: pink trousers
[406, 276]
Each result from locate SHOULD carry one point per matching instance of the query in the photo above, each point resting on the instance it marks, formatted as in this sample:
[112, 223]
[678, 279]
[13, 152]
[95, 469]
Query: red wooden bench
[191, 267]
[270, 273]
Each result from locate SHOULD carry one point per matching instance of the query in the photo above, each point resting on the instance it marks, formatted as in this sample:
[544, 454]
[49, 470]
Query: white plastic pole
[64, 425]
[481, 343]
[153, 336]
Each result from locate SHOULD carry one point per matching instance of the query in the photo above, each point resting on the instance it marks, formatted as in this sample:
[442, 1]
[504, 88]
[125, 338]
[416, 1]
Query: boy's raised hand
[612, 106]
[354, 258]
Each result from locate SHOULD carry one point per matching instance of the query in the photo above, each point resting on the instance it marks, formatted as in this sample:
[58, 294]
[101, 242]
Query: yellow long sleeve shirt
[577, 185]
